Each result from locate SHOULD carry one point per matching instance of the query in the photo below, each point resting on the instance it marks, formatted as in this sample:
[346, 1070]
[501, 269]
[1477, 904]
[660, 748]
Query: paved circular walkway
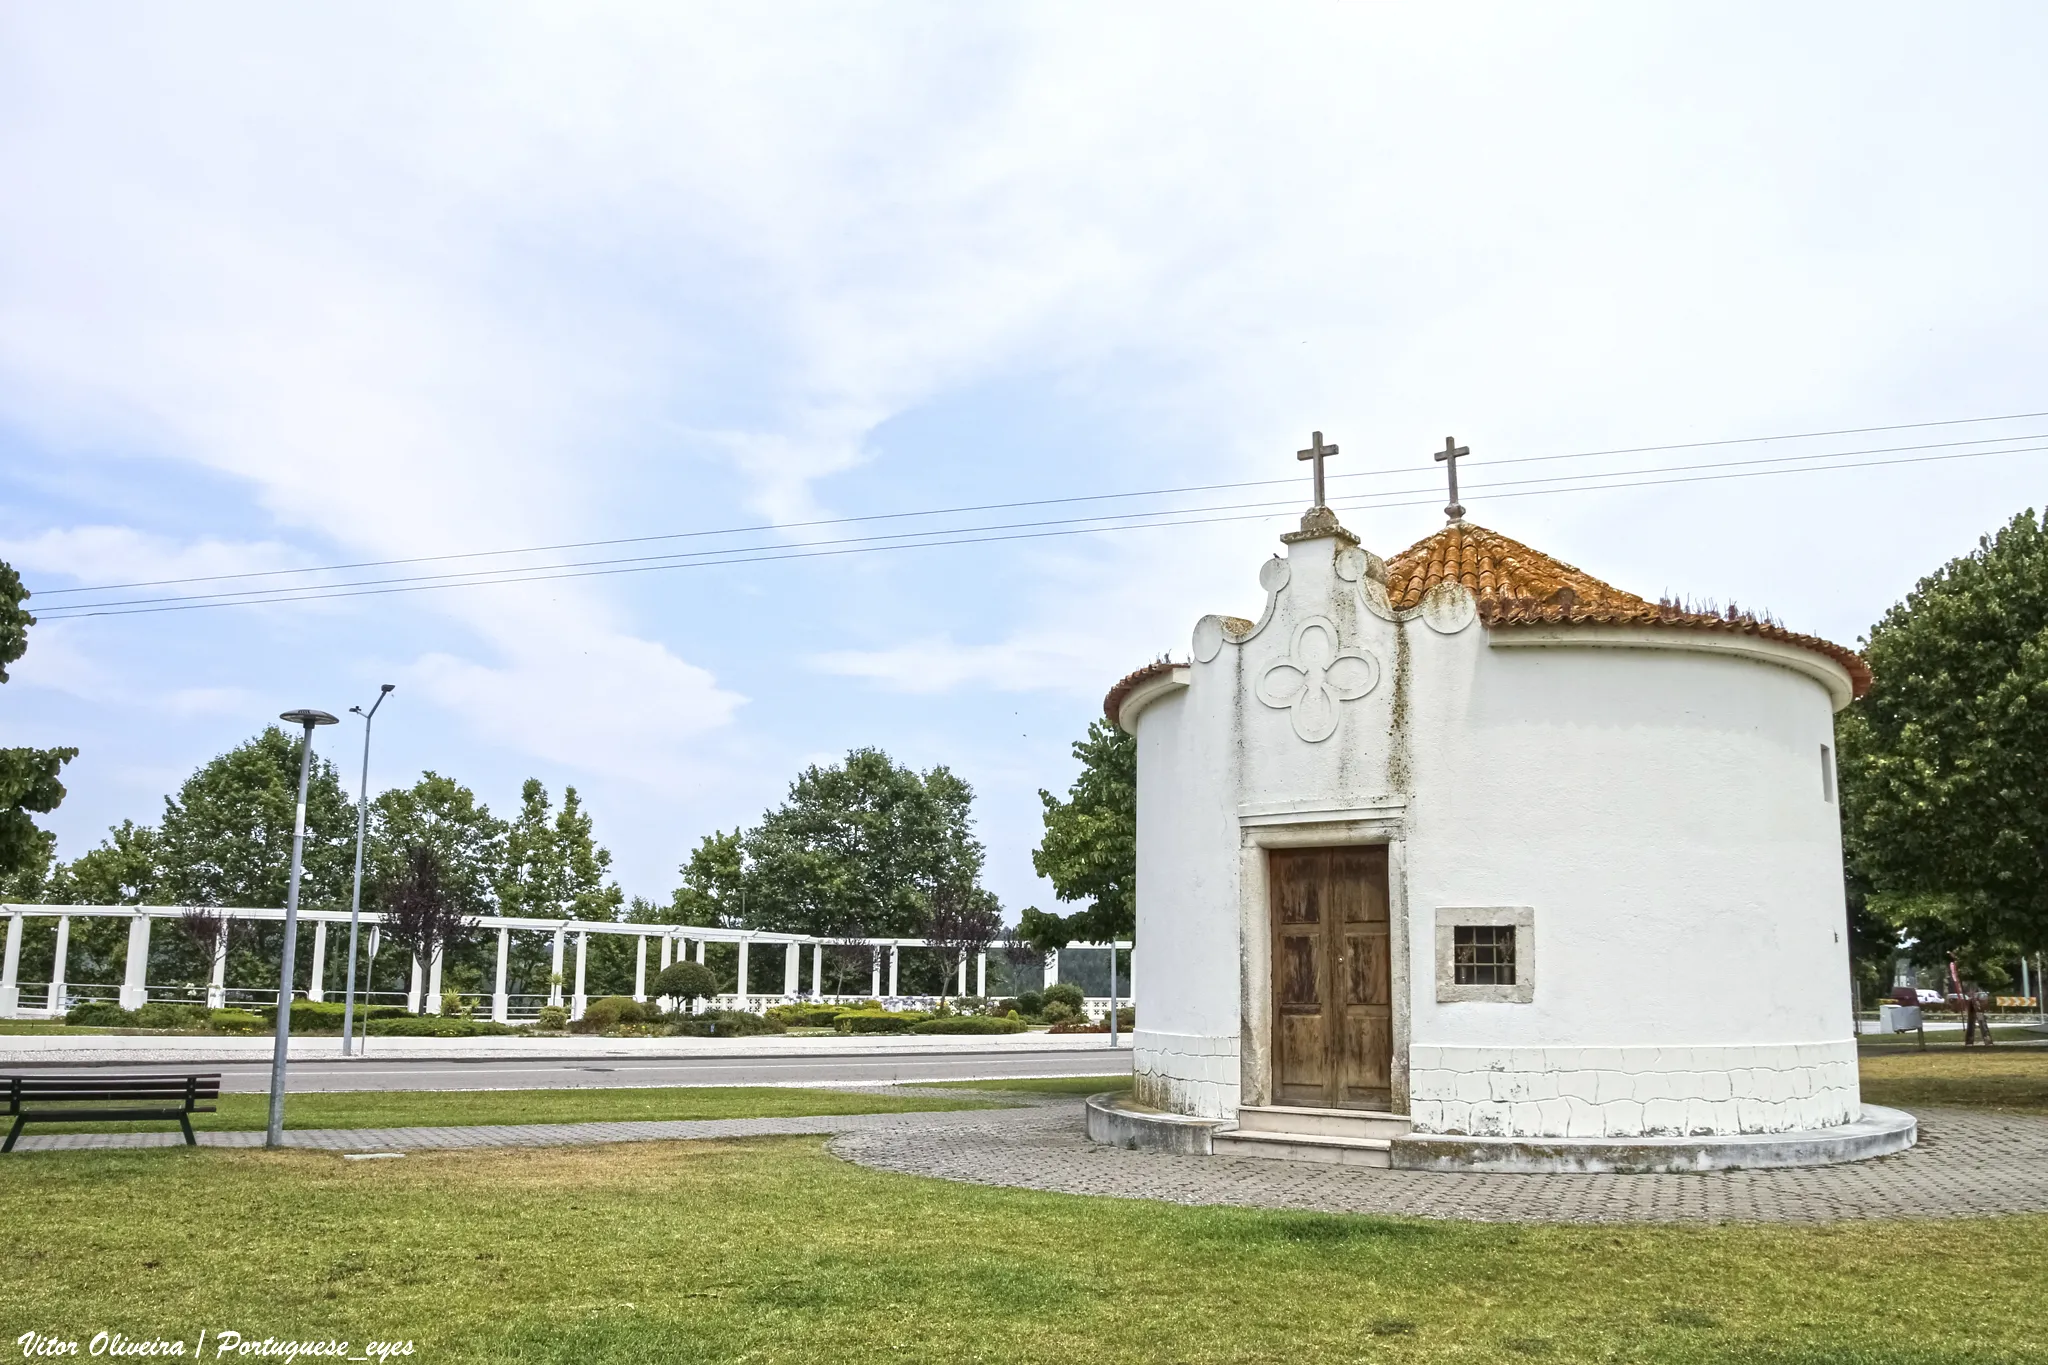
[1965, 1164]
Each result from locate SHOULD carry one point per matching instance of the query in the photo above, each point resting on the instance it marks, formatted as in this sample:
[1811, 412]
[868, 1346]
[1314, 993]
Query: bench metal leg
[14, 1132]
[186, 1123]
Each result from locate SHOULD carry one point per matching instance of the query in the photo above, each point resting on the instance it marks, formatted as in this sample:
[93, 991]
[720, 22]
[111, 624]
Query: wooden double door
[1333, 1015]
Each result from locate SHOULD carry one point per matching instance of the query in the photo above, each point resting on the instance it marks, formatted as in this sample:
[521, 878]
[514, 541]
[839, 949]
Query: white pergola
[424, 993]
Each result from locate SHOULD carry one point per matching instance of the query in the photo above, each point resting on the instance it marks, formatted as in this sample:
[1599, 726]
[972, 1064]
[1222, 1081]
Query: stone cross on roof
[1318, 452]
[1450, 455]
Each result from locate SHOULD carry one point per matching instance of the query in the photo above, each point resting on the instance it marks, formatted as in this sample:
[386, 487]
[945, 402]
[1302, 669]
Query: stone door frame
[1296, 826]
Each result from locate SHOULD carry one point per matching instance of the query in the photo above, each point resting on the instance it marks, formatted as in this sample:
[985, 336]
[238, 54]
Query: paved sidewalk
[1966, 1164]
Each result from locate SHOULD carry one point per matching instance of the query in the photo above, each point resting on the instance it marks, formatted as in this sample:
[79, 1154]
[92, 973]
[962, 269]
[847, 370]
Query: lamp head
[309, 718]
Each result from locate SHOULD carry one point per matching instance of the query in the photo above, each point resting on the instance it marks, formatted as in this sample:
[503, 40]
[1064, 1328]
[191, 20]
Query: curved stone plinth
[1117, 1120]
[1880, 1132]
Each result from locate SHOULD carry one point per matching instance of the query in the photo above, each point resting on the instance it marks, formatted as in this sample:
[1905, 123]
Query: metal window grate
[1483, 954]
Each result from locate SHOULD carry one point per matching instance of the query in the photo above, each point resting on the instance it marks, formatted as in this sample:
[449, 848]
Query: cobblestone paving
[1965, 1164]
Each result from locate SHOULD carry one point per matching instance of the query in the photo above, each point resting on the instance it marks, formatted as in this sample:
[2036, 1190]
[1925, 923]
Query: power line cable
[1030, 502]
[759, 555]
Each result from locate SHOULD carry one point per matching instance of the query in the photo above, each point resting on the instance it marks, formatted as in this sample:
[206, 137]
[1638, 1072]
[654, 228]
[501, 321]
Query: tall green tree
[29, 784]
[714, 880]
[1090, 849]
[553, 865]
[441, 814]
[226, 837]
[126, 869]
[859, 847]
[1941, 761]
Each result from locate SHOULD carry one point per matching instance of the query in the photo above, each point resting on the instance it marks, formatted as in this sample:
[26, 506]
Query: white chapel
[1466, 858]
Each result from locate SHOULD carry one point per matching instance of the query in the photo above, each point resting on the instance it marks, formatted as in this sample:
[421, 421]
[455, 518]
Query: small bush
[601, 1016]
[969, 1023]
[436, 1026]
[553, 1019]
[722, 1024]
[685, 981]
[1065, 992]
[324, 1016]
[878, 1021]
[806, 1014]
[235, 1021]
[1030, 1002]
[100, 1014]
[1059, 1012]
[166, 1014]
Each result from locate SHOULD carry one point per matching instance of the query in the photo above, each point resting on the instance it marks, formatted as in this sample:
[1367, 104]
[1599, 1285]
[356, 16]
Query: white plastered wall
[1660, 809]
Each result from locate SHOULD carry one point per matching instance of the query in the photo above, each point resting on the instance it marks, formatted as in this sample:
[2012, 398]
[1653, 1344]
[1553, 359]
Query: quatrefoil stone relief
[1318, 676]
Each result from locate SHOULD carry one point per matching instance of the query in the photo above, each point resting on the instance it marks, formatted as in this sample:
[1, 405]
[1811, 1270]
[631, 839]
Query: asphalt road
[540, 1073]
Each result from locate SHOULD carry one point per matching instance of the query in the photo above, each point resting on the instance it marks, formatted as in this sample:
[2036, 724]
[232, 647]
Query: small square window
[1483, 955]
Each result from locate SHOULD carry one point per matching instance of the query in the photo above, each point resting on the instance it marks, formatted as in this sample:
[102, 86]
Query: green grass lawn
[423, 1108]
[1044, 1085]
[2013, 1079]
[771, 1250]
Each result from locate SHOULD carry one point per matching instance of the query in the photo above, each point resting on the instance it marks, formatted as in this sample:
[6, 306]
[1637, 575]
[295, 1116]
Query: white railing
[424, 993]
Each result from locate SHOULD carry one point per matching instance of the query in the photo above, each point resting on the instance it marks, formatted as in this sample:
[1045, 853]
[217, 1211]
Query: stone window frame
[1449, 918]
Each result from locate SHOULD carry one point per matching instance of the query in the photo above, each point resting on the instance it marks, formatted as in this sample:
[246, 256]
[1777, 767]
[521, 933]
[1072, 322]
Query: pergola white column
[217, 986]
[555, 972]
[874, 969]
[981, 974]
[10, 969]
[501, 1001]
[700, 952]
[318, 989]
[434, 982]
[580, 1001]
[742, 988]
[1052, 968]
[134, 988]
[895, 959]
[817, 969]
[412, 990]
[57, 964]
[792, 969]
[640, 968]
[963, 973]
[668, 948]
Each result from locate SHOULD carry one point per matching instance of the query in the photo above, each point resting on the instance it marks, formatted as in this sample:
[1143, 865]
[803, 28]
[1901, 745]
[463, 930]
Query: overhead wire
[1734, 469]
[787, 527]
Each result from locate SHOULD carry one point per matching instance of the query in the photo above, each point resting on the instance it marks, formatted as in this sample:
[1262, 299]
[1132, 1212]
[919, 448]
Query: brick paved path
[1966, 1163]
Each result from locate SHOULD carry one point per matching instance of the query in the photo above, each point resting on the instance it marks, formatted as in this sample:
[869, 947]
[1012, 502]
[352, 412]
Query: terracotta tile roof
[1113, 703]
[1518, 586]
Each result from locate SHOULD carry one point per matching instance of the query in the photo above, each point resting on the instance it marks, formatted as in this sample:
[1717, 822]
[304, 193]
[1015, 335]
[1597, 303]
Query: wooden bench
[108, 1099]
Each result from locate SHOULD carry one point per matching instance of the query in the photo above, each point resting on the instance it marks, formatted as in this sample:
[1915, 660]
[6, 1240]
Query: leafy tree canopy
[712, 892]
[553, 865]
[226, 837]
[28, 777]
[1090, 849]
[1941, 761]
[859, 847]
[439, 813]
[126, 869]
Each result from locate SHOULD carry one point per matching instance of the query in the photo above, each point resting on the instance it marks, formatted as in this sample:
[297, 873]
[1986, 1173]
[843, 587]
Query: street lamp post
[274, 1136]
[355, 897]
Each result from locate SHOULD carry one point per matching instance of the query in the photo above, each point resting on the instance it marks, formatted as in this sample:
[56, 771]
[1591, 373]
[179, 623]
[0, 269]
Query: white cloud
[95, 556]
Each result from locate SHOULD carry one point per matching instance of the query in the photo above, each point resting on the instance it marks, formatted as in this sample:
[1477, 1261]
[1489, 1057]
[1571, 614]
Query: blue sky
[290, 287]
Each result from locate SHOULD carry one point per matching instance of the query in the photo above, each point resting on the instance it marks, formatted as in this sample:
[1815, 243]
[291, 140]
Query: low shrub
[1030, 1002]
[1065, 993]
[100, 1014]
[168, 1014]
[605, 1014]
[806, 1014]
[969, 1023]
[1059, 1012]
[553, 1019]
[235, 1021]
[878, 1021]
[324, 1016]
[437, 1026]
[723, 1024]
